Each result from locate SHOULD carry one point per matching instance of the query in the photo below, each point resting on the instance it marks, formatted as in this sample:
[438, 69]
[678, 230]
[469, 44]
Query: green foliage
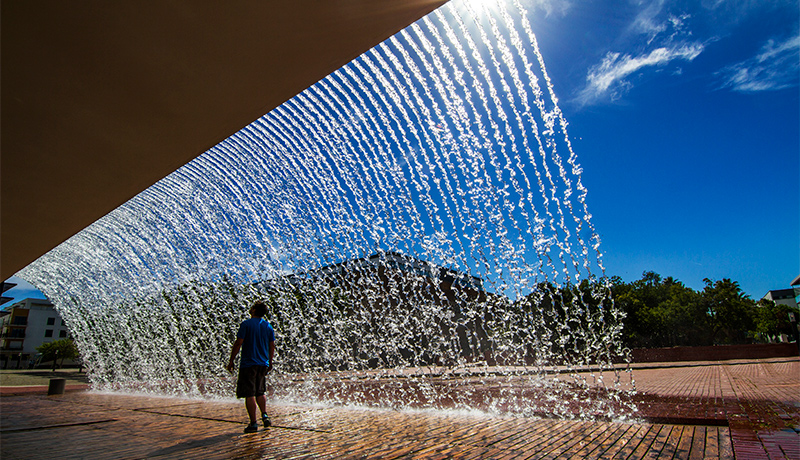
[59, 349]
[729, 310]
[662, 312]
[772, 320]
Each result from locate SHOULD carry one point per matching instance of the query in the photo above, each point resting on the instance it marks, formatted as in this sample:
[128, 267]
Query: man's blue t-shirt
[257, 334]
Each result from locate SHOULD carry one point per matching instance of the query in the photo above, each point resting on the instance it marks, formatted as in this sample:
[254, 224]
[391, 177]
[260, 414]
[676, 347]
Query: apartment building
[24, 326]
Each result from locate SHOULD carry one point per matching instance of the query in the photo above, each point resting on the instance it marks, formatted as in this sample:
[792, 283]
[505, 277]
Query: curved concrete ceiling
[102, 99]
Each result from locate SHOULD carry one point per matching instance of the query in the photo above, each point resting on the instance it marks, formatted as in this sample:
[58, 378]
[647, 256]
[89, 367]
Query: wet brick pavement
[732, 409]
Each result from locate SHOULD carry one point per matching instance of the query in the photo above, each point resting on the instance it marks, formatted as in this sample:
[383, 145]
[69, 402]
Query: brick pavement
[759, 400]
[689, 410]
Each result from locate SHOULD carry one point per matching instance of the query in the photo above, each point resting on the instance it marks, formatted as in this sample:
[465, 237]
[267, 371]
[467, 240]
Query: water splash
[411, 220]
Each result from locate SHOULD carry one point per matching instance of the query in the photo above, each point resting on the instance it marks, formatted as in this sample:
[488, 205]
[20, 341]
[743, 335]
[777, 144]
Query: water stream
[415, 221]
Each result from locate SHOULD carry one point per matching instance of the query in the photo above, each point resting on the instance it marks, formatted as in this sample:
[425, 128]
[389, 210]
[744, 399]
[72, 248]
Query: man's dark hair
[259, 309]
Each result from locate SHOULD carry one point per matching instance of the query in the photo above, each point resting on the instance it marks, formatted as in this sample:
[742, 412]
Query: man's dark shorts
[251, 381]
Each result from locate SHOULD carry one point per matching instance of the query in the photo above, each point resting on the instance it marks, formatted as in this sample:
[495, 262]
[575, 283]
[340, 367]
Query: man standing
[256, 340]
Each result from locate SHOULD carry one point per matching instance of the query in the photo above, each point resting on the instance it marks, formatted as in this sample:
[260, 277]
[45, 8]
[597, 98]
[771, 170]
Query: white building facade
[782, 297]
[26, 325]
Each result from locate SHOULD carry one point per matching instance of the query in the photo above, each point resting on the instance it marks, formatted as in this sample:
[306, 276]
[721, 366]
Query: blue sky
[22, 290]
[684, 116]
[685, 119]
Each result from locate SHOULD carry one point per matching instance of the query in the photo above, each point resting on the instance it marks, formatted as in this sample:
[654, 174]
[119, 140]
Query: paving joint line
[163, 407]
[687, 421]
[167, 414]
[211, 419]
[61, 425]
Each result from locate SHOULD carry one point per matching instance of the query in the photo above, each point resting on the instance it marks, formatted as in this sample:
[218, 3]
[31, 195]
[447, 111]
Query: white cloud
[553, 6]
[654, 20]
[775, 67]
[658, 36]
[770, 51]
[608, 79]
[646, 21]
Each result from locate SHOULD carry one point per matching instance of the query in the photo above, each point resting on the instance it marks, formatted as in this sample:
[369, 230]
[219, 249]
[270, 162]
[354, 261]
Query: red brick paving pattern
[758, 399]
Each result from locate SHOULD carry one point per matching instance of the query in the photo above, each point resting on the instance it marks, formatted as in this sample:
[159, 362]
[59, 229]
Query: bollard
[56, 387]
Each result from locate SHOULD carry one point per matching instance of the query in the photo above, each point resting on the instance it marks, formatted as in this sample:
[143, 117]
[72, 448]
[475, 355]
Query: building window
[20, 321]
[62, 333]
[51, 321]
[48, 333]
[17, 333]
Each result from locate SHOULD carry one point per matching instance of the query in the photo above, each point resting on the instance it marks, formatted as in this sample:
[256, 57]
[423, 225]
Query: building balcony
[14, 334]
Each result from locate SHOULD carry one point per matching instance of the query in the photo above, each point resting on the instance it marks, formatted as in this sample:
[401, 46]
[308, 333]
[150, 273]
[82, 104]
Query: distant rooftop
[776, 294]
[393, 260]
[28, 300]
[6, 287]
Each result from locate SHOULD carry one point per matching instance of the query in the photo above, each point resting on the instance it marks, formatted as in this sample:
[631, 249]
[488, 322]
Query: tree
[730, 311]
[660, 312]
[772, 320]
[59, 349]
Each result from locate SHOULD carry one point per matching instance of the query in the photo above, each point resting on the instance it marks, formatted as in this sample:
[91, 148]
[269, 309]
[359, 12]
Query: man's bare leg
[250, 404]
[262, 403]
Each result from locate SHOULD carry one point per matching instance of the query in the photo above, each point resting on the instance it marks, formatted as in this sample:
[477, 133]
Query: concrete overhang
[102, 99]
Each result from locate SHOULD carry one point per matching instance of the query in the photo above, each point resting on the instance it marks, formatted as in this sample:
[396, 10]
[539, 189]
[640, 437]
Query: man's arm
[237, 345]
[271, 354]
